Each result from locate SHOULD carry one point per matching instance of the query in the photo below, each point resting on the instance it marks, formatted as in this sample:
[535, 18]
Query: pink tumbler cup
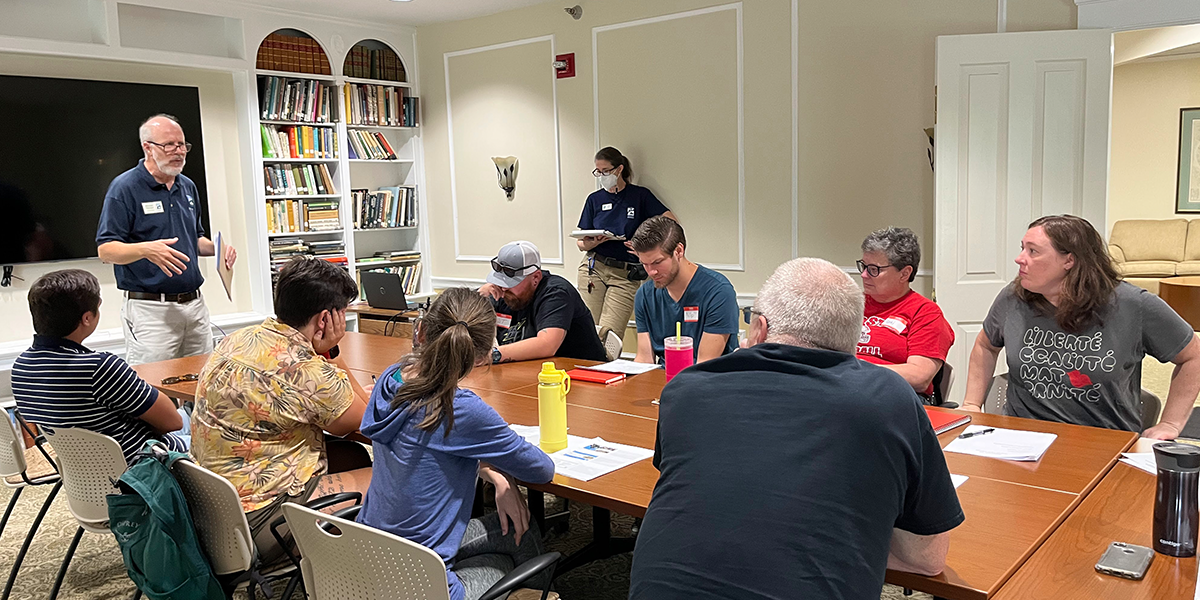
[677, 352]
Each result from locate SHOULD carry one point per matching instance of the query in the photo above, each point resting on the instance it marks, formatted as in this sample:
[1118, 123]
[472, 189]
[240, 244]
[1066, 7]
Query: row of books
[366, 63]
[301, 100]
[298, 180]
[292, 53]
[370, 145]
[285, 249]
[386, 207]
[410, 278]
[382, 105]
[293, 216]
[298, 141]
[389, 257]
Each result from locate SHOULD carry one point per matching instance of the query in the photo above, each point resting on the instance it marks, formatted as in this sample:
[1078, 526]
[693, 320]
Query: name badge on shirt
[896, 324]
[691, 314]
[152, 208]
[503, 321]
[606, 206]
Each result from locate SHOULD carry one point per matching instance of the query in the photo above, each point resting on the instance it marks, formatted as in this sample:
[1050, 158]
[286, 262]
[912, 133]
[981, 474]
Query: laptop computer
[385, 290]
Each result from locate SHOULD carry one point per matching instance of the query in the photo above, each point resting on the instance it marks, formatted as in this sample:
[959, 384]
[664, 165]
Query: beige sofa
[1146, 250]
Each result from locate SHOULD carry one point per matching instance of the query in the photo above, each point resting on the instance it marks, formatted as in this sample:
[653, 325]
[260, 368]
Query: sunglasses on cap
[508, 271]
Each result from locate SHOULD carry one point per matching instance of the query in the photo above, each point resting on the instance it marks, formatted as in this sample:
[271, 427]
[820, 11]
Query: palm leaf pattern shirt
[262, 403]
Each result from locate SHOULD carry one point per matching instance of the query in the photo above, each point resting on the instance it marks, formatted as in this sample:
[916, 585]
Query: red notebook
[942, 421]
[595, 376]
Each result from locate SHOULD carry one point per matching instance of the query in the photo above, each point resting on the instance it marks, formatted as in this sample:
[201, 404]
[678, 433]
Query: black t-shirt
[556, 303]
[783, 472]
[621, 214]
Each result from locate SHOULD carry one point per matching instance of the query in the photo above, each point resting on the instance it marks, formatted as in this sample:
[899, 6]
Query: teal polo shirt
[137, 208]
[708, 305]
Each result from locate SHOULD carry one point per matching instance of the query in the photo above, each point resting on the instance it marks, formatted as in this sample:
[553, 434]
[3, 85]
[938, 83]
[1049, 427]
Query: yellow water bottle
[553, 385]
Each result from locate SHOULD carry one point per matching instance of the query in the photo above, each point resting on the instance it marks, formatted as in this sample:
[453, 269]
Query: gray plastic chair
[997, 395]
[1151, 406]
[17, 474]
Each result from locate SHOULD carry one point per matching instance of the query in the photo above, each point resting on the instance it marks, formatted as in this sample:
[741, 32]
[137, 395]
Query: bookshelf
[353, 136]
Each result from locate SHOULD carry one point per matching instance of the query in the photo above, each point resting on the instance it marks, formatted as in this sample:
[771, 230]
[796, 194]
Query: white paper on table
[627, 367]
[1141, 460]
[1004, 444]
[586, 458]
[958, 480]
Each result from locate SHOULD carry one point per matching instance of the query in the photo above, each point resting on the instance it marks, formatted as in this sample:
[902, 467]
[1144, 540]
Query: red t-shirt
[910, 326]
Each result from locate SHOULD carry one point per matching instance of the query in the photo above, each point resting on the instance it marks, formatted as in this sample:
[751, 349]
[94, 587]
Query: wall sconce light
[506, 173]
[576, 12]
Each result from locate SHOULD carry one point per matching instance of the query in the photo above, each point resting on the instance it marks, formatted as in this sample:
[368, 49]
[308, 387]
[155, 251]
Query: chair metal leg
[12, 576]
[8, 511]
[62, 572]
[291, 586]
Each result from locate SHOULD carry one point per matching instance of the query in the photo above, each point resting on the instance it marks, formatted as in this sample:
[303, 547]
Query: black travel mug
[1177, 499]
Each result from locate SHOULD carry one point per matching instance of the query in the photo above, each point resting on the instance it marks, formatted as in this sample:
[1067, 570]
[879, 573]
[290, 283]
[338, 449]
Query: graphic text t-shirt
[910, 326]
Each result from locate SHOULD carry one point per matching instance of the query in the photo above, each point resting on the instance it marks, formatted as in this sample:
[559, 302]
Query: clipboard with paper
[223, 272]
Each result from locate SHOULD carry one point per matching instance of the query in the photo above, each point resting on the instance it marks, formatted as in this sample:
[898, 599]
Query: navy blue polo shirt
[708, 305]
[620, 213]
[137, 208]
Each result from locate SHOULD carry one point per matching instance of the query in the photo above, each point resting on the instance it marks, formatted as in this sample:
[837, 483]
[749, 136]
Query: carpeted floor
[97, 572]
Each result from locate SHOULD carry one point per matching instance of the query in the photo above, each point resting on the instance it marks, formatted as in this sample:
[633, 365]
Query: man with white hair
[791, 469]
[150, 230]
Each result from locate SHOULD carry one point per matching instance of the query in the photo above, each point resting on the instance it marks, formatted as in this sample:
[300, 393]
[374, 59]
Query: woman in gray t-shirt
[1076, 336]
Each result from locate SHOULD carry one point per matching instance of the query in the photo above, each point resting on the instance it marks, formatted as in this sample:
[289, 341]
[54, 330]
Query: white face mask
[608, 182]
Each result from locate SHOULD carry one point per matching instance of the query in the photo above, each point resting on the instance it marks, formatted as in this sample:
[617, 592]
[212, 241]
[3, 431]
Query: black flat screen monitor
[64, 141]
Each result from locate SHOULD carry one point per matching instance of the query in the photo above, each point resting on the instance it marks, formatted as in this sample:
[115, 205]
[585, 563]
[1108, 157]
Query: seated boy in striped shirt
[60, 383]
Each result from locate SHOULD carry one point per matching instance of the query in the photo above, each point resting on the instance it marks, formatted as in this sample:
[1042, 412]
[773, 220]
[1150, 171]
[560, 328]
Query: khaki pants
[157, 331]
[611, 298]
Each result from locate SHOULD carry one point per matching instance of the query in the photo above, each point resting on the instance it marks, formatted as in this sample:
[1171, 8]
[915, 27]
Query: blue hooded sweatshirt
[423, 482]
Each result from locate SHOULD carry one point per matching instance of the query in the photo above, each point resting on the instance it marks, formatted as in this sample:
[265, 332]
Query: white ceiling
[416, 12]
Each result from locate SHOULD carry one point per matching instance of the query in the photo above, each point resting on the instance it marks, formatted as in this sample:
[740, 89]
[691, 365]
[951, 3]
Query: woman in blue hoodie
[431, 441]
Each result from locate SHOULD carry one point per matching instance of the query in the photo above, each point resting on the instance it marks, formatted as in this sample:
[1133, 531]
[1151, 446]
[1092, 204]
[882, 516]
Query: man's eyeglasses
[508, 271]
[173, 146]
[598, 172]
[748, 313]
[870, 270]
[180, 378]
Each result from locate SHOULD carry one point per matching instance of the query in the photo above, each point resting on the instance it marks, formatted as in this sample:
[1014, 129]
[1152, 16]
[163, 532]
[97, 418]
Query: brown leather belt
[179, 298]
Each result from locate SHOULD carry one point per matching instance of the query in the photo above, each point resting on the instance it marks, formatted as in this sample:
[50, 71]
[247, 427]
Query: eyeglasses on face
[598, 172]
[871, 270]
[508, 271]
[748, 313]
[173, 147]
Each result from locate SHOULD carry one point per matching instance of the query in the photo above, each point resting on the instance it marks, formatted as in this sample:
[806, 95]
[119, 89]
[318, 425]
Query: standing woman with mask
[611, 274]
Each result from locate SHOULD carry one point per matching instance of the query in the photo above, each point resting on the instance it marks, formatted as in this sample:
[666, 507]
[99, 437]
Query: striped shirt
[58, 383]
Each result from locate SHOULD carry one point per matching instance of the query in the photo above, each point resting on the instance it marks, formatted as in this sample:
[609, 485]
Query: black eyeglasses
[871, 270]
[598, 172]
[508, 271]
[748, 312]
[173, 146]
[180, 378]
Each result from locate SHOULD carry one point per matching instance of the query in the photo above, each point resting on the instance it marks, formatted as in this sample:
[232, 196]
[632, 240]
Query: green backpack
[153, 527]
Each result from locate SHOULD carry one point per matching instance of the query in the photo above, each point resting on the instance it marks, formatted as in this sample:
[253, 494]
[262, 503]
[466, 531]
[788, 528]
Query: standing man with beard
[150, 230]
[680, 291]
[538, 315]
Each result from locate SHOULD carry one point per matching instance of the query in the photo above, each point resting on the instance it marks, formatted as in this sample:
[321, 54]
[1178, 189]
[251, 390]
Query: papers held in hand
[1004, 444]
[608, 235]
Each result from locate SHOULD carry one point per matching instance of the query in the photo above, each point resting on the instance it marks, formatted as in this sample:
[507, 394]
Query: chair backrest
[90, 464]
[613, 345]
[1151, 405]
[997, 395]
[12, 448]
[217, 516]
[360, 562]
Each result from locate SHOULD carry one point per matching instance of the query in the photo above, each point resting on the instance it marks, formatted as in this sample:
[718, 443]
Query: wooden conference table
[1012, 508]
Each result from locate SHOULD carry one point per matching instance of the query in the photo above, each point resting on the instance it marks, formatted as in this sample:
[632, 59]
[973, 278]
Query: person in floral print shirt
[267, 397]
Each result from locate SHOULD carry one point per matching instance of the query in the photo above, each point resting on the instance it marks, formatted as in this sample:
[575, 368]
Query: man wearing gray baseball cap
[538, 314]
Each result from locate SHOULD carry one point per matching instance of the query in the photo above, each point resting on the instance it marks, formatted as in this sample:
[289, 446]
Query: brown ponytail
[458, 333]
[616, 159]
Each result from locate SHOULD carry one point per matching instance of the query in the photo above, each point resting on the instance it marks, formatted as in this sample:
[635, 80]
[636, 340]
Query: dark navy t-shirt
[620, 213]
[708, 305]
[782, 473]
[556, 303]
[137, 208]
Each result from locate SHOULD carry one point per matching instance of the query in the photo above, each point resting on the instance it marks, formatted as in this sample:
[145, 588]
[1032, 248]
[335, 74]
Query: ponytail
[458, 333]
[616, 159]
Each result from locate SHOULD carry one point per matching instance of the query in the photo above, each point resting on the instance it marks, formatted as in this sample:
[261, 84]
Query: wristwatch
[496, 356]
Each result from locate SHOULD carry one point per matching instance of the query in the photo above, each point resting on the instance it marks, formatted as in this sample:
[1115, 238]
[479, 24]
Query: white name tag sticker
[503, 321]
[691, 314]
[152, 208]
[896, 324]
[606, 206]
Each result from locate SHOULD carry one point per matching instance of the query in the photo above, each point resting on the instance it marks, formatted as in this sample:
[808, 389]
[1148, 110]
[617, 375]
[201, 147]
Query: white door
[1022, 131]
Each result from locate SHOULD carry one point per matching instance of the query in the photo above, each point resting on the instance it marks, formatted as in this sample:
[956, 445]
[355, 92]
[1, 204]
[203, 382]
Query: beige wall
[1147, 97]
[222, 168]
[669, 95]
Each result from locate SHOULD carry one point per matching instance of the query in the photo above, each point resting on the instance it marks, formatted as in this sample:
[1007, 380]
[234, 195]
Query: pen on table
[975, 433]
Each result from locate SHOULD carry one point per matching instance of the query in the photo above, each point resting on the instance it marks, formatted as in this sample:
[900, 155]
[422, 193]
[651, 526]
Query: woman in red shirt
[902, 330]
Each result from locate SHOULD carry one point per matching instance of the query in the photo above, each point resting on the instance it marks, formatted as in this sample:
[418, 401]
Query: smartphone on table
[1127, 561]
